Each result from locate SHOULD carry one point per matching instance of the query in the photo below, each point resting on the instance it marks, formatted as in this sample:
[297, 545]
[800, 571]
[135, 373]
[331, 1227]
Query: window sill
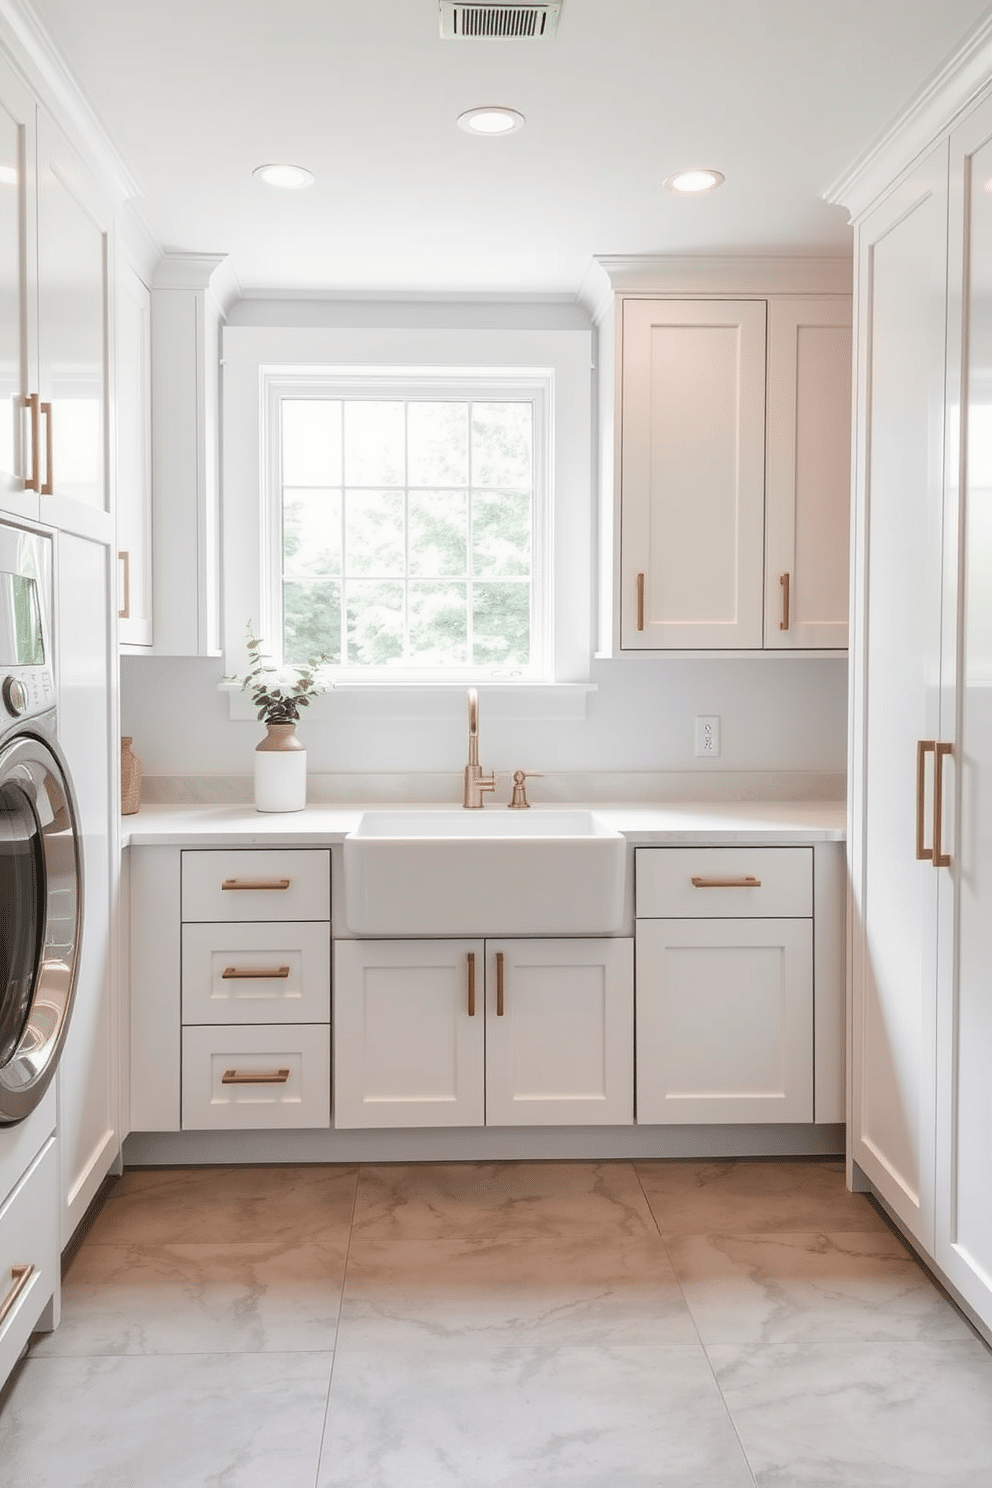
[510, 701]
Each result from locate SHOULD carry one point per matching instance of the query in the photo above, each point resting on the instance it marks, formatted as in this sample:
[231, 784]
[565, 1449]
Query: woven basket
[130, 777]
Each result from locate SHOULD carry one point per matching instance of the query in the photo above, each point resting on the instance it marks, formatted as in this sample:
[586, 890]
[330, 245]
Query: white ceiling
[780, 95]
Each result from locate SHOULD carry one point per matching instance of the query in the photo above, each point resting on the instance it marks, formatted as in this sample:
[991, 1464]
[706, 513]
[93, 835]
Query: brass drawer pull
[471, 984]
[940, 858]
[124, 559]
[255, 1077]
[500, 985]
[786, 581]
[32, 482]
[923, 748]
[20, 1276]
[256, 883]
[747, 882]
[247, 973]
[640, 601]
[48, 485]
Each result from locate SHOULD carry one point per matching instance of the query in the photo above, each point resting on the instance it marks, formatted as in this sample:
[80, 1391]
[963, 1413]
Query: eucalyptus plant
[280, 692]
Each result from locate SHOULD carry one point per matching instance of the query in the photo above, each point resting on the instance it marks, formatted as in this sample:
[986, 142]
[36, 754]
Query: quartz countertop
[728, 822]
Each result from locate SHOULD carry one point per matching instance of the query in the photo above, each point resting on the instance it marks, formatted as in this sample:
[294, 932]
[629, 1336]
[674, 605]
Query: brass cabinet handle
[245, 973]
[747, 882]
[256, 883]
[923, 748]
[32, 482]
[785, 581]
[255, 1077]
[500, 987]
[48, 487]
[124, 559]
[940, 858]
[20, 1276]
[640, 601]
[471, 984]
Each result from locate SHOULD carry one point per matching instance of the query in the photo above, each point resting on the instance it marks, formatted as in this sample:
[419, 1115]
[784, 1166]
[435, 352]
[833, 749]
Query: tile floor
[508, 1325]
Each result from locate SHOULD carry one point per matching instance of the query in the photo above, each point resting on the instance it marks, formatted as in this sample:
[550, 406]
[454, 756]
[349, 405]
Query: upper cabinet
[730, 464]
[54, 323]
[133, 404]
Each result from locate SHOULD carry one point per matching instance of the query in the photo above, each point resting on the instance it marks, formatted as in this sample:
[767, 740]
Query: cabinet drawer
[724, 882]
[29, 1227]
[276, 1077]
[257, 884]
[257, 973]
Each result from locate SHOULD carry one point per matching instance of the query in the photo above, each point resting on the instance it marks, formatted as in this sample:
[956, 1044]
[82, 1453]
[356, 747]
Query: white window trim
[564, 355]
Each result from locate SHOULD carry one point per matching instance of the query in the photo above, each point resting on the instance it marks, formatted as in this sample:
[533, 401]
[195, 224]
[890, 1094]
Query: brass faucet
[475, 781]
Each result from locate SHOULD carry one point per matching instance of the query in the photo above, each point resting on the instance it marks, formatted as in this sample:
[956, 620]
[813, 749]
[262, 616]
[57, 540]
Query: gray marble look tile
[864, 1415]
[529, 1418]
[233, 1204]
[161, 1299]
[190, 1422]
[490, 1292]
[738, 1196]
[522, 1200]
[783, 1288]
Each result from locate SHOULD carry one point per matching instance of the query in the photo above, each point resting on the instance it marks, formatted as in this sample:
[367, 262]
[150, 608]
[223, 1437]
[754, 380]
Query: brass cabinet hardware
[256, 883]
[48, 485]
[785, 581]
[124, 559]
[20, 1276]
[940, 858]
[471, 984]
[500, 988]
[640, 601]
[923, 748]
[747, 882]
[247, 973]
[32, 482]
[255, 1077]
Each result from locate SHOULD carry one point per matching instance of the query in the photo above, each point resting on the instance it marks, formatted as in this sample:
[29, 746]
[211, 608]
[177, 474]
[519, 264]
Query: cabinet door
[692, 473]
[73, 325]
[808, 473]
[409, 1040]
[18, 337]
[133, 484]
[560, 1038]
[724, 1021]
[901, 357]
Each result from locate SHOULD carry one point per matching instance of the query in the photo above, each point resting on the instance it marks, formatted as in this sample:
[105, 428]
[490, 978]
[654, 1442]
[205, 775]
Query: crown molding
[934, 111]
[178, 269]
[725, 274]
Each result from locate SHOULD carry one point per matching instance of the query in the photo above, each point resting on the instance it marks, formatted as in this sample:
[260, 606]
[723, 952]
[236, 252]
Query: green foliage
[280, 692]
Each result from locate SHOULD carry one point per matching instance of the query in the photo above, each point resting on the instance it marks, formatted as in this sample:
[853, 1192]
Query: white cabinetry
[29, 1229]
[732, 469]
[132, 382]
[466, 1033]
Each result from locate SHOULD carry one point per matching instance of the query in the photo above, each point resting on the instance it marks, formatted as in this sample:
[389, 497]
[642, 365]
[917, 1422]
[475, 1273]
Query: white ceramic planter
[280, 770]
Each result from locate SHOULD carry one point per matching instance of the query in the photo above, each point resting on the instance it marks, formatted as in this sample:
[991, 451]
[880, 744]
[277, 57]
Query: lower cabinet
[483, 1032]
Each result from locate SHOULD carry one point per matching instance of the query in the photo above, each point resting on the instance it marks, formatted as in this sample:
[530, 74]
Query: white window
[406, 523]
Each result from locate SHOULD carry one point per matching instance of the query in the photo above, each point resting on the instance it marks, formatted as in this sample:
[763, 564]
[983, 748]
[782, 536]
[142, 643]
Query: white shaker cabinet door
[692, 474]
[409, 1042]
[559, 1032]
[19, 487]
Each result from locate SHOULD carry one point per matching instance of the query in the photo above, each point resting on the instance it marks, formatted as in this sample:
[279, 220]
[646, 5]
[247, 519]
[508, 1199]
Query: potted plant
[278, 694]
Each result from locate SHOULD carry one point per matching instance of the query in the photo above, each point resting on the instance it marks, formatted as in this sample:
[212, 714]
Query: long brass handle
[640, 601]
[255, 1077]
[48, 486]
[256, 883]
[747, 882]
[20, 1276]
[471, 984]
[248, 973]
[124, 559]
[940, 858]
[923, 748]
[500, 985]
[32, 482]
[785, 581]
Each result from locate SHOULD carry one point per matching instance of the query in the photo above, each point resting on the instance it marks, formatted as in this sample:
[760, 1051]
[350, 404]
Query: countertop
[769, 822]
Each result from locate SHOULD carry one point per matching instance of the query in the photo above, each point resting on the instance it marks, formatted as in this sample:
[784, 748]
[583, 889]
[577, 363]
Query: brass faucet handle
[519, 798]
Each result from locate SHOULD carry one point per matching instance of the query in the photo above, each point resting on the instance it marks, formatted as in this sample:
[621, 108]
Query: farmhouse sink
[483, 873]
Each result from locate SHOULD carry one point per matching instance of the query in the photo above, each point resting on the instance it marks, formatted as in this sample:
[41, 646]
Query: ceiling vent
[470, 20]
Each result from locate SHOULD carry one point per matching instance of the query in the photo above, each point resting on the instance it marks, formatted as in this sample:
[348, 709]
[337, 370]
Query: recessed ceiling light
[492, 119]
[8, 175]
[289, 177]
[691, 182]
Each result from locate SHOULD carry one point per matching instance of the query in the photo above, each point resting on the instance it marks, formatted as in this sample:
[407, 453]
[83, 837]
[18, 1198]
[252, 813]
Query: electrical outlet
[708, 735]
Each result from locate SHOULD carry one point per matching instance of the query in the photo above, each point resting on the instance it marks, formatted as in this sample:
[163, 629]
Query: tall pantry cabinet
[921, 762]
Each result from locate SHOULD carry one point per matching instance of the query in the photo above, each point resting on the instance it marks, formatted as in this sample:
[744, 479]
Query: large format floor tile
[186, 1422]
[877, 1415]
[529, 1418]
[737, 1196]
[783, 1288]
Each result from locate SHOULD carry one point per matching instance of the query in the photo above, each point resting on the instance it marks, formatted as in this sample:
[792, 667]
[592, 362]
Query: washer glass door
[22, 885]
